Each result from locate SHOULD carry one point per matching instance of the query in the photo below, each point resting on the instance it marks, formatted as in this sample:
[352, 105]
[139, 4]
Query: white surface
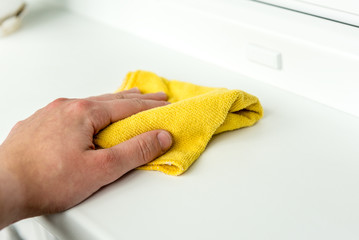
[267, 57]
[346, 11]
[294, 175]
[320, 57]
[26, 229]
[9, 7]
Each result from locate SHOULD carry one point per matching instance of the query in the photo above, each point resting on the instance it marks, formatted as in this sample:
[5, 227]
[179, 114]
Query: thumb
[135, 152]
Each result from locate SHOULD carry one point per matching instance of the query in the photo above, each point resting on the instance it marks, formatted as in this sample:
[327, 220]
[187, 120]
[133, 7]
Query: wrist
[11, 204]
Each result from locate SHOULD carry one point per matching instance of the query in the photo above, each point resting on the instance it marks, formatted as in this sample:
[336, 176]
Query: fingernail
[165, 140]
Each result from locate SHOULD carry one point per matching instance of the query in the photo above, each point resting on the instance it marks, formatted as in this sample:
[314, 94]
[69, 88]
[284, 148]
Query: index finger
[109, 96]
[108, 112]
[126, 94]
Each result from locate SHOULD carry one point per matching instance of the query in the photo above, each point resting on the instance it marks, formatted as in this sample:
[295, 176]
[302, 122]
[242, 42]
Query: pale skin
[49, 163]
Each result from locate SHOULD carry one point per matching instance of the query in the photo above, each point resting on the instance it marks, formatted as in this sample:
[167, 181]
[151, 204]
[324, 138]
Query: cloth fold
[195, 114]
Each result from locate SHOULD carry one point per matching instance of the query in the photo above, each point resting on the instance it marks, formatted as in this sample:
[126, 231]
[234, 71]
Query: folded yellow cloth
[195, 114]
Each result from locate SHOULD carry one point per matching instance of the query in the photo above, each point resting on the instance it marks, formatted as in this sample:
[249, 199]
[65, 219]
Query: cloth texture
[195, 114]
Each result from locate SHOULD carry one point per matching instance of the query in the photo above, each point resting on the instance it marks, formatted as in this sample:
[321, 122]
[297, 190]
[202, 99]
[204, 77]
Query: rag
[195, 114]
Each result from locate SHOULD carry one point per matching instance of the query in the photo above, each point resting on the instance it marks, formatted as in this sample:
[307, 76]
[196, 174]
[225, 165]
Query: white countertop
[294, 175]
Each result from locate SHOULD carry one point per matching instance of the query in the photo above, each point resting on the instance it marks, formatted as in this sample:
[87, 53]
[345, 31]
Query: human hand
[49, 162]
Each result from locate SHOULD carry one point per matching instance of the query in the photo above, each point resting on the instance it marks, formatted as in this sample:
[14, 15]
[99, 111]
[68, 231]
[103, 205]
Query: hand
[49, 162]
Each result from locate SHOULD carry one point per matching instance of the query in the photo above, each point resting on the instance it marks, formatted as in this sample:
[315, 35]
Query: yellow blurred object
[195, 114]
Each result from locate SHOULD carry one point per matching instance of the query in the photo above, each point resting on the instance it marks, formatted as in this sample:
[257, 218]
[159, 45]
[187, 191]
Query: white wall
[318, 58]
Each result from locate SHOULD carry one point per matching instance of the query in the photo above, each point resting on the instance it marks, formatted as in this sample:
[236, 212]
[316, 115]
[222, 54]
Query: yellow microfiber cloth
[195, 114]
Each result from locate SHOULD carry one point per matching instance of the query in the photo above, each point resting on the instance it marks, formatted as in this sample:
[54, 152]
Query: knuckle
[57, 102]
[147, 150]
[81, 105]
[18, 124]
[139, 103]
[106, 162]
[108, 166]
[119, 96]
[60, 100]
